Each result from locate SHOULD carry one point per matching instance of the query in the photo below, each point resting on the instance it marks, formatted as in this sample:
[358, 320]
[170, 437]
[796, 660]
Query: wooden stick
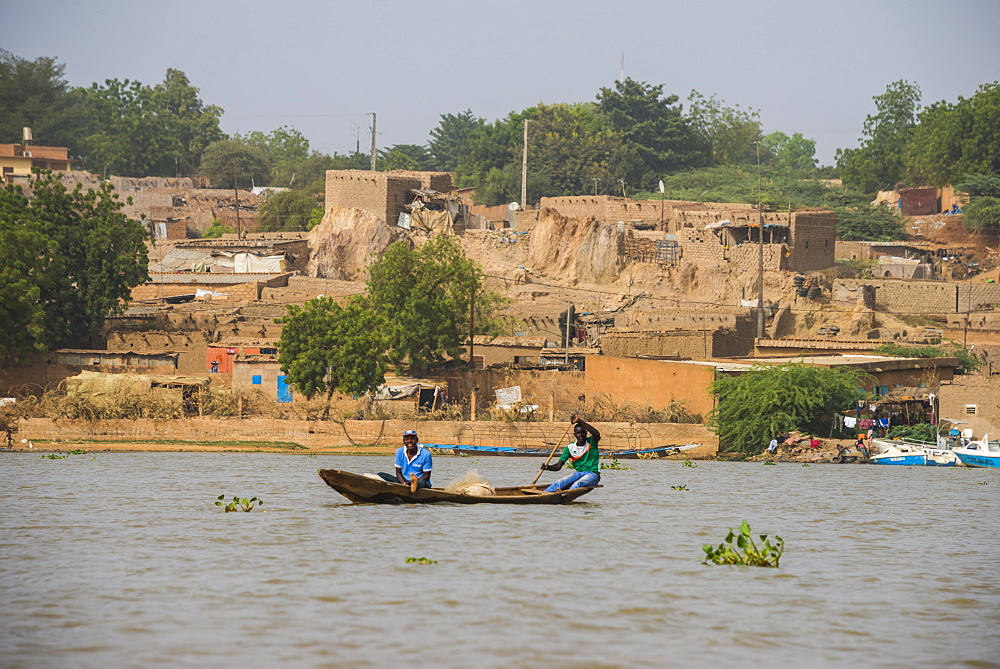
[554, 449]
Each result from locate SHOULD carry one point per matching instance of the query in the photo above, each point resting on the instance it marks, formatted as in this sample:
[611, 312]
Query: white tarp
[202, 294]
[397, 392]
[510, 395]
[248, 263]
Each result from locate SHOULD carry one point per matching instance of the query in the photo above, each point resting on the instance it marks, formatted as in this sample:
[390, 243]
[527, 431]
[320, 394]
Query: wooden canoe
[358, 488]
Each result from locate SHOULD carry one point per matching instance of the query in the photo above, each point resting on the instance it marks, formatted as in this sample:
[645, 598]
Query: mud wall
[657, 382]
[814, 239]
[920, 297]
[317, 435]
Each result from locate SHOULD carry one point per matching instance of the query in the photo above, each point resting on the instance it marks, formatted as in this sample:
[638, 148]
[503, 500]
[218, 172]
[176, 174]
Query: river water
[123, 559]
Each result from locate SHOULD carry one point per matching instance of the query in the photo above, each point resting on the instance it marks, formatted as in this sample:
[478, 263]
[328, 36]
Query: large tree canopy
[330, 347]
[878, 164]
[70, 259]
[652, 137]
[765, 401]
[424, 296]
[450, 138]
[34, 94]
[232, 163]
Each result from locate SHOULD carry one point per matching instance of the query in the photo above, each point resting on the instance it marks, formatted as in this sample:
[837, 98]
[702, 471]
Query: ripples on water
[123, 559]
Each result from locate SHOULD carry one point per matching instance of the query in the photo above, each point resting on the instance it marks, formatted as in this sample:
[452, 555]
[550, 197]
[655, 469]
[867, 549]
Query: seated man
[585, 458]
[412, 461]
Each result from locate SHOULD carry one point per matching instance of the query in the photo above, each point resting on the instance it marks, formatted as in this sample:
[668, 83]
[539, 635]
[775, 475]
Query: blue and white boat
[982, 453]
[900, 454]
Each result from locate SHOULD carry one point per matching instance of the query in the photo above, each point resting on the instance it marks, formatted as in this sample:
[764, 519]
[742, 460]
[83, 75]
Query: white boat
[907, 452]
[981, 453]
[898, 453]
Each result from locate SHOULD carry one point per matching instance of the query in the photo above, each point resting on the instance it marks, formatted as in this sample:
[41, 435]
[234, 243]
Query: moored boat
[900, 454]
[361, 488]
[981, 453]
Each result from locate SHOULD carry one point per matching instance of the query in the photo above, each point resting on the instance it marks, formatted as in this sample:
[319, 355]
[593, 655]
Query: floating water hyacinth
[238, 503]
[766, 555]
[420, 560]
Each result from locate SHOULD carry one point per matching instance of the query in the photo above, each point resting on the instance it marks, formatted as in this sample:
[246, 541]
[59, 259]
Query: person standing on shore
[413, 463]
[583, 454]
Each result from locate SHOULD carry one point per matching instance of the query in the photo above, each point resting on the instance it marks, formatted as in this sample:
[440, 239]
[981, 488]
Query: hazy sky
[809, 67]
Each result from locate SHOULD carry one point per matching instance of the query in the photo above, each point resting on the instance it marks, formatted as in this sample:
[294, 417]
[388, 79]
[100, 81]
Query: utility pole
[760, 254]
[236, 197]
[524, 167]
[357, 144]
[568, 306]
[472, 328]
[373, 141]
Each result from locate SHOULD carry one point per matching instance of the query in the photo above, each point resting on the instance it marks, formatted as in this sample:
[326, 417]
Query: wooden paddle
[556, 448]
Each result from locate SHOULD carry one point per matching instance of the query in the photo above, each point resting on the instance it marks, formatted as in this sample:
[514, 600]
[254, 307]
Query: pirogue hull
[358, 488]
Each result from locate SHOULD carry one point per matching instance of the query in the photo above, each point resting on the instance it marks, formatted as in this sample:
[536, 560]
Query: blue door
[284, 392]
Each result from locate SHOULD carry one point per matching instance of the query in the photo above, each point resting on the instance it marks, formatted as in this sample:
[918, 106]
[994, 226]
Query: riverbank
[350, 437]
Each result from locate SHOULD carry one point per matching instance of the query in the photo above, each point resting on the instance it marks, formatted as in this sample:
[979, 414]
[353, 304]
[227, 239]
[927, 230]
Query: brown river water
[123, 559]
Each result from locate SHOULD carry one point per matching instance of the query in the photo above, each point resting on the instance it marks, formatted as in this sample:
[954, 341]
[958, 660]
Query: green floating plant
[688, 463]
[614, 464]
[54, 456]
[767, 555]
[238, 503]
[420, 560]
[678, 487]
[76, 451]
[768, 462]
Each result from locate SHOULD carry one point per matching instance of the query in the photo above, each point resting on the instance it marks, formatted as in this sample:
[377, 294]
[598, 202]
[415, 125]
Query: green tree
[728, 134]
[450, 138]
[794, 154]
[869, 224]
[651, 135]
[233, 159]
[330, 347]
[80, 257]
[405, 157]
[34, 94]
[878, 164]
[491, 161]
[765, 401]
[423, 295]
[955, 139]
[286, 211]
[568, 149]
[194, 124]
[983, 209]
[130, 133]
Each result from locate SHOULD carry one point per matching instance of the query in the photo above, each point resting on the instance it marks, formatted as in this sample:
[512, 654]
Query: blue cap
[409, 432]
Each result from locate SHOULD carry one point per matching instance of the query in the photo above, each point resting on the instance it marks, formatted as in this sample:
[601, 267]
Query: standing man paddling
[583, 454]
[413, 462]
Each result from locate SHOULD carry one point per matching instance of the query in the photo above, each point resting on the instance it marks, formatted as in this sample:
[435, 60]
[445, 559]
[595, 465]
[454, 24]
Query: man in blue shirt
[413, 463]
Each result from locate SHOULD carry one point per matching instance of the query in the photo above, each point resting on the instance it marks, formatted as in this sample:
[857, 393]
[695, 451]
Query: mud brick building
[383, 194]
[795, 242]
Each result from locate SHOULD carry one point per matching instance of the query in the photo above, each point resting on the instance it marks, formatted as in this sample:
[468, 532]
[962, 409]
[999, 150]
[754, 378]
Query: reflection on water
[123, 559]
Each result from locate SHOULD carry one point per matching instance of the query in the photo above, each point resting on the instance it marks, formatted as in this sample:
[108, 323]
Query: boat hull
[978, 459]
[909, 459]
[362, 489]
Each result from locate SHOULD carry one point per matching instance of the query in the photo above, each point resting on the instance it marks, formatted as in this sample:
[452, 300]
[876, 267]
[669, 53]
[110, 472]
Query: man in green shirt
[584, 456]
